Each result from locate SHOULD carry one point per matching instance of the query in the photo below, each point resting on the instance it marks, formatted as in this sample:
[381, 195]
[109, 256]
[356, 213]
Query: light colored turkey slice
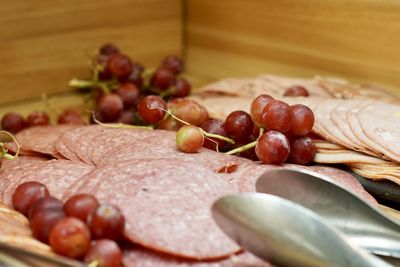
[346, 158]
[332, 132]
[380, 122]
[338, 116]
[355, 127]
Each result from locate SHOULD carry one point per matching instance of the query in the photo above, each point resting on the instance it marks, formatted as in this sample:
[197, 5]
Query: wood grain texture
[355, 39]
[43, 43]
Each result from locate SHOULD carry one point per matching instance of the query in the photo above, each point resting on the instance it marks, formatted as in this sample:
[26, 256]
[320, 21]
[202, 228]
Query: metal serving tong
[363, 223]
[11, 256]
[287, 234]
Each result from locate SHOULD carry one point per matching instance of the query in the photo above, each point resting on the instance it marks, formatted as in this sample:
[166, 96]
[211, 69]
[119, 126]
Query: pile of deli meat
[164, 194]
[358, 124]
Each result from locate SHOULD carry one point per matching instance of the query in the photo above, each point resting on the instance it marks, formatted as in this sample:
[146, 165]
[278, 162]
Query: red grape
[257, 108]
[162, 78]
[303, 121]
[105, 252]
[277, 116]
[127, 117]
[97, 94]
[43, 222]
[135, 76]
[302, 151]
[129, 94]
[296, 90]
[239, 125]
[119, 65]
[249, 154]
[45, 203]
[169, 124]
[26, 194]
[182, 88]
[109, 49]
[189, 139]
[214, 126]
[152, 109]
[13, 122]
[189, 111]
[272, 147]
[107, 221]
[38, 118]
[80, 206]
[110, 107]
[70, 237]
[173, 63]
[70, 116]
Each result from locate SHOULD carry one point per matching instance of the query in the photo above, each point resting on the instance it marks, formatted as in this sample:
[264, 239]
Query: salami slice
[65, 142]
[57, 175]
[10, 176]
[133, 257]
[42, 139]
[167, 206]
[162, 144]
[112, 139]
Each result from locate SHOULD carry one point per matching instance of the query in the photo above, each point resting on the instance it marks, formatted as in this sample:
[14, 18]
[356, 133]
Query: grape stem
[207, 134]
[242, 148]
[94, 263]
[90, 84]
[247, 146]
[7, 137]
[120, 125]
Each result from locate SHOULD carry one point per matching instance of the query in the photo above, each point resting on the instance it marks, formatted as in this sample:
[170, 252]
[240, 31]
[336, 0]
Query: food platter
[154, 160]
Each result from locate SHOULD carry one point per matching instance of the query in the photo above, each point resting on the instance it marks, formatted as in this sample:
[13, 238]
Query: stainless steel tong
[305, 219]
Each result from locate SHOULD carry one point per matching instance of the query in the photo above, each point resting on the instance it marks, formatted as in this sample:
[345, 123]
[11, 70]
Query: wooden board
[44, 42]
[355, 39]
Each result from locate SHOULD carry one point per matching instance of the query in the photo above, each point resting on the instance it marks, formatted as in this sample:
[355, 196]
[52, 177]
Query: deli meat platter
[134, 183]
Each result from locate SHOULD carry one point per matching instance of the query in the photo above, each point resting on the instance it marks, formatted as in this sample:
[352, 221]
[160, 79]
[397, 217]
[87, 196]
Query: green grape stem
[247, 146]
[105, 85]
[216, 136]
[4, 151]
[242, 148]
[121, 125]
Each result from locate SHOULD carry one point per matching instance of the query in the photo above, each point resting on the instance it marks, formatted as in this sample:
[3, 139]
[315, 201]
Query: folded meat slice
[57, 175]
[383, 127]
[136, 256]
[166, 203]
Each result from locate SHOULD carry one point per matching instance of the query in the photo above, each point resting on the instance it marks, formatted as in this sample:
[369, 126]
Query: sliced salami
[162, 144]
[57, 175]
[66, 141]
[10, 176]
[167, 206]
[42, 139]
[133, 257]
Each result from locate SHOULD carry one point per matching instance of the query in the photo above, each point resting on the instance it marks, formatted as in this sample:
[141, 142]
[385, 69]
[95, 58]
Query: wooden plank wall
[356, 39]
[43, 42]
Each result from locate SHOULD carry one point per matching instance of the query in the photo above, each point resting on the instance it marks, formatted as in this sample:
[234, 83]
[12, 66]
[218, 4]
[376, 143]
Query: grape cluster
[14, 122]
[124, 91]
[80, 228]
[273, 132]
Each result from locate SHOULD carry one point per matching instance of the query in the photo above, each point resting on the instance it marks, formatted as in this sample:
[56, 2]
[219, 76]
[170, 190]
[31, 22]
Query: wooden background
[356, 39]
[43, 42]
